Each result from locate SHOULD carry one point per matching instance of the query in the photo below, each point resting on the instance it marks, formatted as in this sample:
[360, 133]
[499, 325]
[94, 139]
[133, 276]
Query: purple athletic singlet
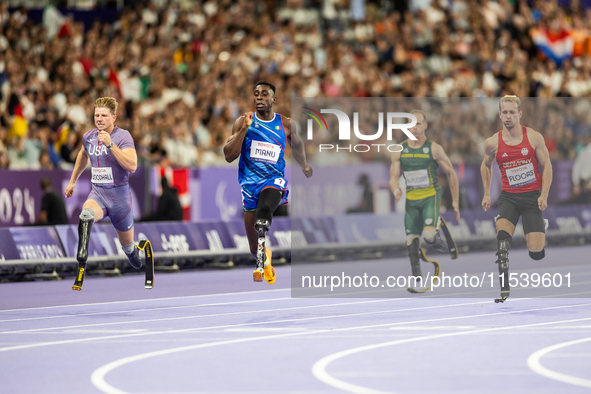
[110, 181]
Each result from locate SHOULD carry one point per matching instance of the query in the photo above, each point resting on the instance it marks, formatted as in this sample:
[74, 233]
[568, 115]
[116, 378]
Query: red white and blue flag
[557, 46]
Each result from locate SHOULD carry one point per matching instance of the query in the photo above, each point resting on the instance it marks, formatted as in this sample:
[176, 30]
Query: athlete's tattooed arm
[543, 156]
[297, 147]
[441, 158]
[490, 150]
[233, 146]
[395, 176]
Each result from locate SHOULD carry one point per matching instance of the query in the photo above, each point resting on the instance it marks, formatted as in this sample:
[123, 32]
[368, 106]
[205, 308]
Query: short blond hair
[418, 111]
[510, 99]
[107, 102]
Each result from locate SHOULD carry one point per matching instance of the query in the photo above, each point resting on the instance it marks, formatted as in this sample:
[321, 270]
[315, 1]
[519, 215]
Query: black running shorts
[513, 205]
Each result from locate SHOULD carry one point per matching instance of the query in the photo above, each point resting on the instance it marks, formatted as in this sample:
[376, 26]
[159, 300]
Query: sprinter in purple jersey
[111, 153]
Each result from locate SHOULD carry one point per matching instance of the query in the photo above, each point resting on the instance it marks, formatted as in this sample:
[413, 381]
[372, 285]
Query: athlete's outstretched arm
[442, 159]
[233, 146]
[543, 157]
[395, 176]
[81, 162]
[297, 147]
[127, 158]
[486, 170]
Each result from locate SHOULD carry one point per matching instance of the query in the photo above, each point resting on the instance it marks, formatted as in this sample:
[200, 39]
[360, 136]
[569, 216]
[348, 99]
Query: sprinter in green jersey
[419, 161]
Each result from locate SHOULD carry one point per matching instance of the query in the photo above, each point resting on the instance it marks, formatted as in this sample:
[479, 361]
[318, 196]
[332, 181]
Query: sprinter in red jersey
[526, 173]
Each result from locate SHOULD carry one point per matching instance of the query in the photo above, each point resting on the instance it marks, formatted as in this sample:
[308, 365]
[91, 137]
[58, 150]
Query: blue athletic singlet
[263, 151]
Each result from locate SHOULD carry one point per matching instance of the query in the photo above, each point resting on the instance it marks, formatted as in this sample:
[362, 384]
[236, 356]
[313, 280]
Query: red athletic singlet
[518, 165]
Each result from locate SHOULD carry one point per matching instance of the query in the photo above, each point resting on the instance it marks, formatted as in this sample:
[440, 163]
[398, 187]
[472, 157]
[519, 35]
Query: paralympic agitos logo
[345, 129]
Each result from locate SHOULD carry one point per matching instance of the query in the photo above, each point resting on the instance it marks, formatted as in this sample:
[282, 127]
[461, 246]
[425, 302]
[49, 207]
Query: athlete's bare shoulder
[436, 147]
[531, 131]
[395, 156]
[437, 150]
[534, 137]
[288, 125]
[492, 144]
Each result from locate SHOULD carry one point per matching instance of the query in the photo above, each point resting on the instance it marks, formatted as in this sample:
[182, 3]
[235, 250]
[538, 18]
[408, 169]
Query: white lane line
[533, 362]
[145, 309]
[98, 376]
[319, 368]
[191, 317]
[228, 303]
[147, 300]
[464, 294]
[570, 355]
[68, 341]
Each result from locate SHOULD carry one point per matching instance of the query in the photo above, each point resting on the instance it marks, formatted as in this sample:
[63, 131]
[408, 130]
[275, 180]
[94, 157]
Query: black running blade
[451, 244]
[146, 246]
[79, 277]
[505, 288]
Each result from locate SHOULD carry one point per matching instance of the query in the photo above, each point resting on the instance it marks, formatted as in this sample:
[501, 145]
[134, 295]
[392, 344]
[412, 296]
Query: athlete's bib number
[102, 175]
[265, 152]
[416, 179]
[522, 175]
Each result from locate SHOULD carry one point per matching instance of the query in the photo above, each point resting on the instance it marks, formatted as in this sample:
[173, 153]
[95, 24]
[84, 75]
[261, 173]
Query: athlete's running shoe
[135, 260]
[438, 244]
[269, 271]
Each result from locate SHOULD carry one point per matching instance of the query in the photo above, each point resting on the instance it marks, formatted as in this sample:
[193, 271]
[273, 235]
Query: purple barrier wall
[172, 237]
[37, 243]
[8, 250]
[314, 230]
[359, 228]
[215, 192]
[21, 194]
[177, 237]
[99, 245]
[219, 196]
[332, 190]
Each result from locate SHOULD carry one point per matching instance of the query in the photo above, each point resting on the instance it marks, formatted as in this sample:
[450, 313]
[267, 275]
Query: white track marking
[319, 368]
[147, 300]
[464, 294]
[189, 317]
[533, 362]
[68, 341]
[98, 376]
[145, 309]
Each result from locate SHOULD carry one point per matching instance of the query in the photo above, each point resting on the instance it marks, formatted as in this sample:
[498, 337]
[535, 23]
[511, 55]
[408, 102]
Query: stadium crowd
[183, 71]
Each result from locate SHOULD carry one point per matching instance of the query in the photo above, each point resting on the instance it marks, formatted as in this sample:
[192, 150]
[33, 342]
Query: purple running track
[218, 332]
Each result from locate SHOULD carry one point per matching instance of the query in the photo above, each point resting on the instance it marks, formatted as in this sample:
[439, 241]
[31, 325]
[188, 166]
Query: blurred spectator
[4, 160]
[183, 71]
[581, 176]
[53, 210]
[17, 154]
[366, 203]
[70, 150]
[45, 162]
[179, 146]
[169, 206]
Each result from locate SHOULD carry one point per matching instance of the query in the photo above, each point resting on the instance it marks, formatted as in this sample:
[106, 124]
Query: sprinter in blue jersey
[260, 140]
